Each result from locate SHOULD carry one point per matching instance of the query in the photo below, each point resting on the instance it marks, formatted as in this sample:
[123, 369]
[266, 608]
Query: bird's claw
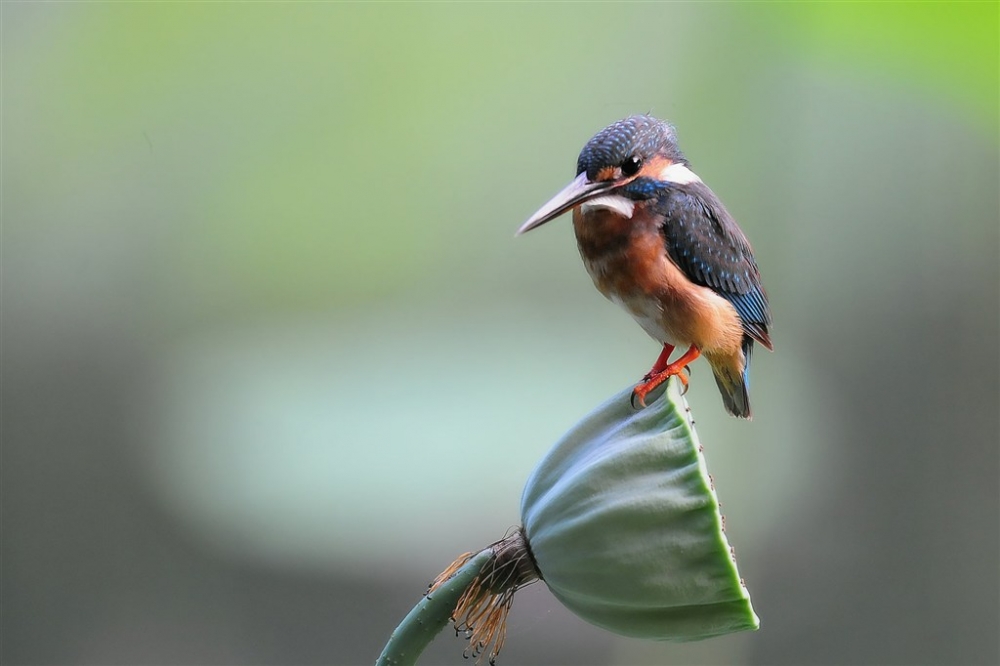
[631, 400]
[652, 381]
[684, 378]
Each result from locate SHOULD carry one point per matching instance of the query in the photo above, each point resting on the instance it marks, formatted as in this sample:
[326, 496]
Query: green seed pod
[621, 521]
[624, 526]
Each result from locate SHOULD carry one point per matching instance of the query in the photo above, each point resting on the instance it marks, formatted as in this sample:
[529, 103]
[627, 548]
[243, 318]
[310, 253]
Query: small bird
[659, 243]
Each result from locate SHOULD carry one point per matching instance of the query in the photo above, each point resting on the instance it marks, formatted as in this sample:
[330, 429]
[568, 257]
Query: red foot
[659, 374]
[661, 361]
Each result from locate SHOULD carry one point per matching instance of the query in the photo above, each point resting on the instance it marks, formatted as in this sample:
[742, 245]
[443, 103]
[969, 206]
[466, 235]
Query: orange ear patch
[654, 167]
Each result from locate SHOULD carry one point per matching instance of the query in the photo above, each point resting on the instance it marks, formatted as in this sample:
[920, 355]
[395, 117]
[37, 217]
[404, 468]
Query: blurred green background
[272, 356]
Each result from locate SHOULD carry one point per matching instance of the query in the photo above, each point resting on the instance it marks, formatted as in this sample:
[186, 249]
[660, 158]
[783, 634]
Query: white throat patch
[613, 202]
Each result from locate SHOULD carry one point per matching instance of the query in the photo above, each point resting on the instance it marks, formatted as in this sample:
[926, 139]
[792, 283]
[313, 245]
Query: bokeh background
[272, 357]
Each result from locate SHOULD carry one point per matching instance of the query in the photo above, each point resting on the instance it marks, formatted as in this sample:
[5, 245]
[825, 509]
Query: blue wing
[705, 242]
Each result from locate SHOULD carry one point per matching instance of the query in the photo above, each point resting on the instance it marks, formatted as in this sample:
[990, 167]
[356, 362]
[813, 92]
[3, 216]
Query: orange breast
[628, 261]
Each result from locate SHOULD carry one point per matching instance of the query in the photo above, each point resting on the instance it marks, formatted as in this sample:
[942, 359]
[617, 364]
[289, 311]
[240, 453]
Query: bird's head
[622, 164]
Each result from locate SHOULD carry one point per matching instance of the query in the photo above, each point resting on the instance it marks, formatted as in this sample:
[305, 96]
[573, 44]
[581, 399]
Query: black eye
[631, 166]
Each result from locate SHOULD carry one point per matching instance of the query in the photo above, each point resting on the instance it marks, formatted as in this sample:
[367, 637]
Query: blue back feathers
[706, 243]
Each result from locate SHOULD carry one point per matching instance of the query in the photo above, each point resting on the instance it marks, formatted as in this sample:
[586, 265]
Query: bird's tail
[732, 374]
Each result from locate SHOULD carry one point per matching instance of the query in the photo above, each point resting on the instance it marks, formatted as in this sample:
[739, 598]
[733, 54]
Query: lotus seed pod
[624, 526]
[621, 521]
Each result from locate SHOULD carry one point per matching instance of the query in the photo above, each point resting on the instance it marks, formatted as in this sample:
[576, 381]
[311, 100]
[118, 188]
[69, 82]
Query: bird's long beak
[574, 194]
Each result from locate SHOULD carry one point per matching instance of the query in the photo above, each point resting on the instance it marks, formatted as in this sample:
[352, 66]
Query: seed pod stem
[432, 613]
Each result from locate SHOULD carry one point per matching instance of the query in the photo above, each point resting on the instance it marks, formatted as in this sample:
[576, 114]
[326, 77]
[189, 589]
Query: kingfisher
[659, 243]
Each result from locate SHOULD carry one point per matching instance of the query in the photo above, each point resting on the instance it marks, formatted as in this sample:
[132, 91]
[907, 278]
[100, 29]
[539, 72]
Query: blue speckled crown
[643, 136]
